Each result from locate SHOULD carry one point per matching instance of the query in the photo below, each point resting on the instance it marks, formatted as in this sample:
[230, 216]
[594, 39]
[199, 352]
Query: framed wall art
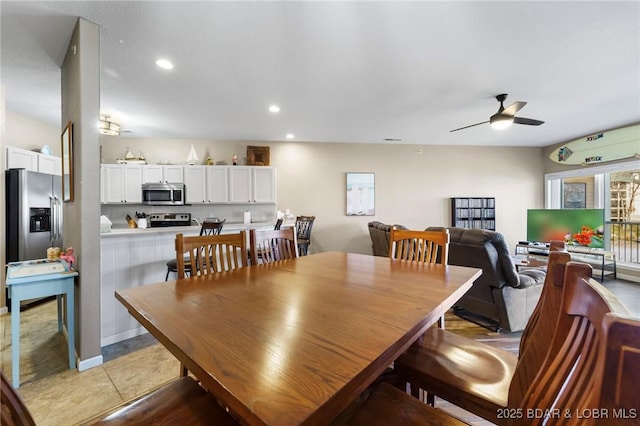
[258, 156]
[574, 196]
[361, 191]
[67, 163]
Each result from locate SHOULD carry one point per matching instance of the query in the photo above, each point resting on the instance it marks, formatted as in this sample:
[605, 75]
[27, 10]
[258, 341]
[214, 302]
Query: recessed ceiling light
[274, 108]
[290, 136]
[164, 64]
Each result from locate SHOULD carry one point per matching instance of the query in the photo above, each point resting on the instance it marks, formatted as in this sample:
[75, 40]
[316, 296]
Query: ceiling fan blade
[528, 121]
[466, 127]
[513, 108]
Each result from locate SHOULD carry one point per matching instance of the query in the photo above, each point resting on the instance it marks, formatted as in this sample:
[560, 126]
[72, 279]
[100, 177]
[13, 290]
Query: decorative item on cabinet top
[129, 158]
[258, 156]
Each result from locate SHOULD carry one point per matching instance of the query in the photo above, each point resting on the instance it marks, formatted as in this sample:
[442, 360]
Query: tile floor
[58, 396]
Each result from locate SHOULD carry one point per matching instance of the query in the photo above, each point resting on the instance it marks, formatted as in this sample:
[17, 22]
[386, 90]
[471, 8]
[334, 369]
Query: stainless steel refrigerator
[33, 214]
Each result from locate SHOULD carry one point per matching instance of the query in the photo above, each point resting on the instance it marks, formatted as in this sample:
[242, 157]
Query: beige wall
[413, 183]
[27, 133]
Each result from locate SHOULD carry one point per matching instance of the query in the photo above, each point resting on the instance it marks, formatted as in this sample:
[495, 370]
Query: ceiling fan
[506, 116]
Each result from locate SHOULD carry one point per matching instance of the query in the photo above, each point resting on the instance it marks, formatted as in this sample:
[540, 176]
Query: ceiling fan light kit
[505, 117]
[501, 122]
[108, 127]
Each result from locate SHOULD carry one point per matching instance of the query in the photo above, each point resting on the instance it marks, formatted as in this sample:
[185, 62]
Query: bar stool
[303, 227]
[209, 227]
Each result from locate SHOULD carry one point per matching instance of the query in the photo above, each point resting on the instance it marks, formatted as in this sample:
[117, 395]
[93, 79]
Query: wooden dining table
[296, 341]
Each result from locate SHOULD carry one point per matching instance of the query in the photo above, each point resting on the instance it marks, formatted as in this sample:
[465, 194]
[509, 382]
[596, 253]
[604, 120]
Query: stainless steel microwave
[163, 194]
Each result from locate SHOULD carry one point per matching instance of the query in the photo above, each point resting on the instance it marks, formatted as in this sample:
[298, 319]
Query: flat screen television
[583, 227]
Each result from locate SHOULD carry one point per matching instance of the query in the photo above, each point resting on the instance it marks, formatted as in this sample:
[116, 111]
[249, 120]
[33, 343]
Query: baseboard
[4, 310]
[90, 363]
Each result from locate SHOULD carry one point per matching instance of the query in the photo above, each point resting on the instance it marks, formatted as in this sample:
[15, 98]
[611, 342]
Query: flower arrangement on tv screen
[586, 237]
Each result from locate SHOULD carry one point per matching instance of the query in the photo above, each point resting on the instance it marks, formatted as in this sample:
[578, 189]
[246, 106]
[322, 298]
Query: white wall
[412, 188]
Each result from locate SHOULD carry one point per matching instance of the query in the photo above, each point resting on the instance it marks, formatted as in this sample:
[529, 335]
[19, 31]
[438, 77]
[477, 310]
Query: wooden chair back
[619, 394]
[303, 227]
[569, 377]
[421, 246]
[557, 245]
[212, 227]
[268, 246]
[211, 254]
[536, 338]
[13, 410]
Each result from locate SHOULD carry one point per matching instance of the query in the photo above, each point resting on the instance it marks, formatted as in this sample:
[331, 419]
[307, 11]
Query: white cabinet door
[122, 183]
[18, 158]
[217, 184]
[133, 184]
[173, 174]
[152, 174]
[240, 184]
[113, 183]
[49, 164]
[264, 185]
[195, 184]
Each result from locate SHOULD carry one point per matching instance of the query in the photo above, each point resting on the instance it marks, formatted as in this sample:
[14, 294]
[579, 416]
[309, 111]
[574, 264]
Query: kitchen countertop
[123, 229]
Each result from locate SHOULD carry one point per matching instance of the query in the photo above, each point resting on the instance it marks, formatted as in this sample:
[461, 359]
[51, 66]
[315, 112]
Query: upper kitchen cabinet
[194, 184]
[121, 183]
[217, 184]
[160, 173]
[252, 184]
[49, 164]
[18, 158]
[206, 184]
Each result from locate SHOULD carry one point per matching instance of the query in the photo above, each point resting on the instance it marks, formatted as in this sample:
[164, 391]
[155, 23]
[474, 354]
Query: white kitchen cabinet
[49, 164]
[195, 184]
[159, 173]
[206, 184]
[217, 184]
[252, 184]
[240, 184]
[18, 158]
[264, 184]
[121, 183]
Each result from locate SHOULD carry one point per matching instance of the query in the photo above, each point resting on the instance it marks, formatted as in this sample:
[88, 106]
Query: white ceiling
[340, 71]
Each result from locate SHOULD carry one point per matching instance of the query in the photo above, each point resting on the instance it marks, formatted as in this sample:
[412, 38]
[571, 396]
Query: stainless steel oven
[163, 194]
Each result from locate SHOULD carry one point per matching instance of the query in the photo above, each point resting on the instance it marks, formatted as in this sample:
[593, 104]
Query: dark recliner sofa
[501, 294]
[379, 233]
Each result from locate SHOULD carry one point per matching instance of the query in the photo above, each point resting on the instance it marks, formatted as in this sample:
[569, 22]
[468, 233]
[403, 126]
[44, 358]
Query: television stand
[603, 260]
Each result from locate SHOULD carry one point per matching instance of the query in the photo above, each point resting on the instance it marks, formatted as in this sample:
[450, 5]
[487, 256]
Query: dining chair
[266, 246]
[210, 254]
[596, 360]
[420, 246]
[436, 365]
[303, 227]
[13, 410]
[208, 227]
[587, 353]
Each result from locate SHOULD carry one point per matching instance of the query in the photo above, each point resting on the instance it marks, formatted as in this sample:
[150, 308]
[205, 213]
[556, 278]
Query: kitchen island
[133, 257]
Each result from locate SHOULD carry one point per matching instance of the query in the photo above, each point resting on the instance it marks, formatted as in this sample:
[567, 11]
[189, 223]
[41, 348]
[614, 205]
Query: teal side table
[42, 284]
